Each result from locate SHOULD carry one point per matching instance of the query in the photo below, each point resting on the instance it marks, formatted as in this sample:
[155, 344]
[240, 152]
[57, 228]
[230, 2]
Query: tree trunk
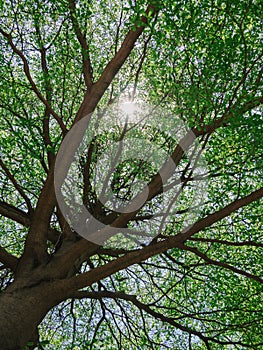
[21, 311]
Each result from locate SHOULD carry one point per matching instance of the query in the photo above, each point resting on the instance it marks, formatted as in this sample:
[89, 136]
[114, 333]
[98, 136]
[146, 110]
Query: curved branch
[13, 213]
[7, 259]
[36, 241]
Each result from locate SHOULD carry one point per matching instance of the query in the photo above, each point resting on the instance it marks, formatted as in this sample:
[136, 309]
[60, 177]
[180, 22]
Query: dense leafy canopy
[201, 61]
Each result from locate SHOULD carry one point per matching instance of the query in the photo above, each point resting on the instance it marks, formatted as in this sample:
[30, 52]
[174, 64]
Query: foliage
[201, 61]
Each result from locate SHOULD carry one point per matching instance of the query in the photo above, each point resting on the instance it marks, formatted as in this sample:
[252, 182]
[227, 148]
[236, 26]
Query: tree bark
[21, 311]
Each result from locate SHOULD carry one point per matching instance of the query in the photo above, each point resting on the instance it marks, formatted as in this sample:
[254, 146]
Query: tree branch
[220, 241]
[48, 94]
[16, 185]
[31, 81]
[36, 241]
[155, 186]
[219, 263]
[92, 97]
[140, 255]
[87, 68]
[18, 215]
[221, 214]
[166, 319]
[143, 56]
[141, 306]
[226, 117]
[7, 259]
[13, 213]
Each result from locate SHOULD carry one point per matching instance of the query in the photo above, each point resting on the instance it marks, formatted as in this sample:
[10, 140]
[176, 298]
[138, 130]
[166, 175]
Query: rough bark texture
[21, 311]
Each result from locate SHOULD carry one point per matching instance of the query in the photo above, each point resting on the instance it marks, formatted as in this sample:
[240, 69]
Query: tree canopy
[196, 281]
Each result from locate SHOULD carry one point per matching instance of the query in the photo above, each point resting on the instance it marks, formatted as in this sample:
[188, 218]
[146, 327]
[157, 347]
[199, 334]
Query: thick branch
[137, 256]
[7, 259]
[18, 215]
[13, 213]
[36, 242]
[219, 215]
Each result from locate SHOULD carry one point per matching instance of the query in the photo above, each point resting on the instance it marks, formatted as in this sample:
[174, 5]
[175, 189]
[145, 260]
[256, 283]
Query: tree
[188, 288]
